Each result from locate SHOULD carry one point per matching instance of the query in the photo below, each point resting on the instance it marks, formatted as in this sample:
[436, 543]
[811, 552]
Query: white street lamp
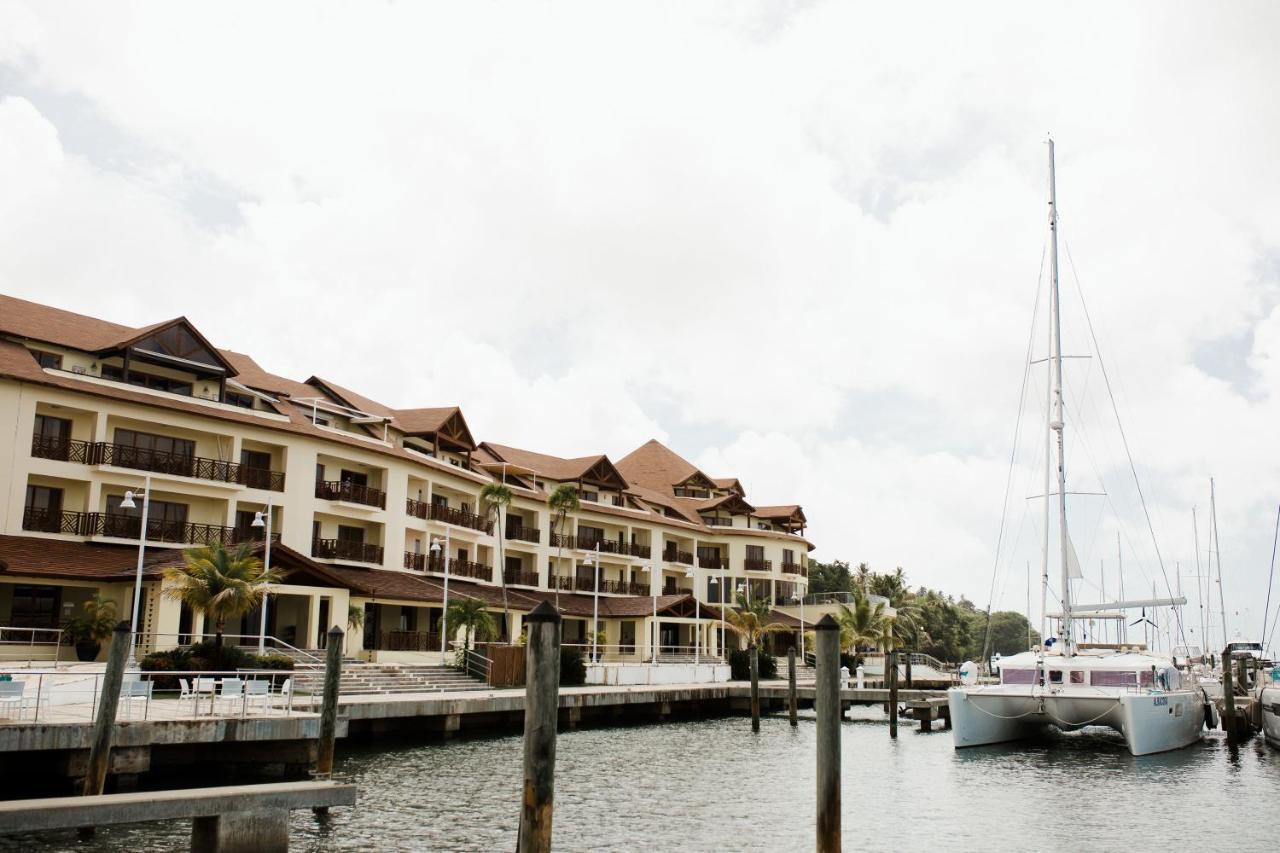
[128, 503]
[594, 560]
[258, 521]
[800, 598]
[697, 616]
[444, 613]
[653, 633]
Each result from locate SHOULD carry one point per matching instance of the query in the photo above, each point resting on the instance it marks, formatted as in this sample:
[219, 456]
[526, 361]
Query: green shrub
[207, 657]
[573, 667]
[740, 665]
[272, 662]
[175, 660]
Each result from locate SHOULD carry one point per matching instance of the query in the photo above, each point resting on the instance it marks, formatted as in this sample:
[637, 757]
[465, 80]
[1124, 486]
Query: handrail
[146, 640]
[476, 665]
[345, 490]
[341, 549]
[130, 527]
[30, 642]
[159, 461]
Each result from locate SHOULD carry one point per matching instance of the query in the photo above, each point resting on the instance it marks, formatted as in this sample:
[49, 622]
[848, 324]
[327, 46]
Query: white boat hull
[1271, 715]
[1149, 722]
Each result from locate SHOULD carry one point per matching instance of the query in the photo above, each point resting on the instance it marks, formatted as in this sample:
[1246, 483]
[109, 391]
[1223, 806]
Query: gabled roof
[784, 512]
[250, 374]
[351, 399]
[446, 422]
[733, 484]
[656, 466]
[592, 469]
[731, 503]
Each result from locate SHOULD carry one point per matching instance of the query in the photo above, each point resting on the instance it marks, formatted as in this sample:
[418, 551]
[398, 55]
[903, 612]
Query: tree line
[928, 620]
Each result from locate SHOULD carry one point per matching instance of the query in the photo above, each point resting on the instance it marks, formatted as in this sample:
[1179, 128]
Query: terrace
[156, 461]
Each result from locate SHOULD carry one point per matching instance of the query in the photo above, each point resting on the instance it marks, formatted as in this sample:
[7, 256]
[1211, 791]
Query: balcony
[675, 555]
[712, 561]
[639, 550]
[794, 569]
[130, 527]
[754, 565]
[345, 490]
[415, 561]
[141, 459]
[520, 533]
[587, 584]
[460, 517]
[465, 569]
[516, 578]
[712, 521]
[342, 549]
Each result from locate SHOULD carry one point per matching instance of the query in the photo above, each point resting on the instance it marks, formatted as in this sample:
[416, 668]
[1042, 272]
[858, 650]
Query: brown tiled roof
[726, 482]
[352, 400]
[656, 466]
[250, 373]
[35, 556]
[551, 467]
[25, 319]
[784, 511]
[419, 421]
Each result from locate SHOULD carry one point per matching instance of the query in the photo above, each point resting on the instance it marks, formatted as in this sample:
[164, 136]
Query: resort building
[367, 505]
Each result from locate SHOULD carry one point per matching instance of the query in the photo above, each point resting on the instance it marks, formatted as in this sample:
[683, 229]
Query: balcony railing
[415, 561]
[639, 550]
[713, 521]
[520, 578]
[675, 555]
[408, 641]
[342, 549]
[142, 459]
[460, 517]
[577, 583]
[794, 569]
[130, 527]
[712, 561]
[523, 534]
[345, 490]
[753, 565]
[465, 569]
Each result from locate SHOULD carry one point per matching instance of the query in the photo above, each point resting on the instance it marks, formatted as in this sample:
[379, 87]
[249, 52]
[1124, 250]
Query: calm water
[713, 785]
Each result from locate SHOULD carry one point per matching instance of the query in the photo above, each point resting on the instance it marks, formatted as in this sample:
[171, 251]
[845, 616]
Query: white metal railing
[60, 696]
[635, 653]
[16, 639]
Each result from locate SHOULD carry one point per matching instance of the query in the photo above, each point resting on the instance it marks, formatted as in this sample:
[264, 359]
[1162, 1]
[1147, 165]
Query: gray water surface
[713, 785]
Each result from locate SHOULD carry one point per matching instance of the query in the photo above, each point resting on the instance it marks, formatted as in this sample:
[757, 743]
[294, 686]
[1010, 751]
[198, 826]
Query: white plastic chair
[257, 692]
[12, 696]
[231, 694]
[186, 693]
[286, 695]
[133, 691]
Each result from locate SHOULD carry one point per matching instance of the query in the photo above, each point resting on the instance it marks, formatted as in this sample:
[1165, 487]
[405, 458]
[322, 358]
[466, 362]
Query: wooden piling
[1228, 700]
[329, 704]
[95, 777]
[791, 686]
[910, 684]
[541, 701]
[891, 674]
[755, 689]
[826, 703]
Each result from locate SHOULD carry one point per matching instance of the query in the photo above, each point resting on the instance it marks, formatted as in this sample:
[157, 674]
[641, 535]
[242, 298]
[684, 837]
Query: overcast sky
[799, 242]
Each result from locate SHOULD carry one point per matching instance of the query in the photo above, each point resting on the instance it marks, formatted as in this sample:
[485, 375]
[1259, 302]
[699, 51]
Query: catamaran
[1063, 684]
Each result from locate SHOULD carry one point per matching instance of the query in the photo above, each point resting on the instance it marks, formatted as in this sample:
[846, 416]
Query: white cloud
[809, 236]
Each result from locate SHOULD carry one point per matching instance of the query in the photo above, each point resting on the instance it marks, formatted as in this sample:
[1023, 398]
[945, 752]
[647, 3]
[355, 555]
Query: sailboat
[1062, 684]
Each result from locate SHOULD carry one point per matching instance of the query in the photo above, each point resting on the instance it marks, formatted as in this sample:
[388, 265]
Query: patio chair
[12, 697]
[230, 694]
[257, 692]
[135, 691]
[185, 692]
[286, 695]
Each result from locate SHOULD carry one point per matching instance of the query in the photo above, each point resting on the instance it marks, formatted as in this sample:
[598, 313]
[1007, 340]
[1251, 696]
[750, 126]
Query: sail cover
[1073, 563]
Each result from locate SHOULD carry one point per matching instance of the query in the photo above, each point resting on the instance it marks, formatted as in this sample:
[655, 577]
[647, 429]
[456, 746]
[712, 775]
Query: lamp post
[128, 503]
[653, 633]
[444, 612]
[697, 616]
[266, 570]
[594, 560]
[800, 598]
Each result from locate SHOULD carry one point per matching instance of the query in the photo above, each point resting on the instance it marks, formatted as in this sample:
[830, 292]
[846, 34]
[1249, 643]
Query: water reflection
[712, 785]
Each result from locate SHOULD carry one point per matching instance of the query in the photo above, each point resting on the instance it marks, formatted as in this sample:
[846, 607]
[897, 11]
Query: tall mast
[1217, 553]
[1124, 623]
[1204, 632]
[1056, 418]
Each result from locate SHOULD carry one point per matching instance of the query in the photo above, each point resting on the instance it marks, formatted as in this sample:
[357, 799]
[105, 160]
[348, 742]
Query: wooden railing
[639, 550]
[794, 569]
[465, 568]
[675, 555]
[408, 641]
[523, 534]
[753, 565]
[342, 549]
[520, 578]
[142, 459]
[344, 490]
[460, 517]
[713, 521]
[415, 561]
[712, 561]
[574, 583]
[130, 527]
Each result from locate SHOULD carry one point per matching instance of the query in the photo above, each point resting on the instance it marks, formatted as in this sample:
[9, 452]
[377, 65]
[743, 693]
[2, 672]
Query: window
[355, 477]
[347, 533]
[159, 445]
[788, 556]
[319, 472]
[54, 429]
[594, 497]
[44, 498]
[590, 534]
[179, 342]
[147, 380]
[245, 531]
[163, 512]
[1055, 676]
[755, 552]
[43, 509]
[439, 500]
[1018, 676]
[1077, 676]
[317, 420]
[1103, 678]
[235, 398]
[48, 359]
[35, 606]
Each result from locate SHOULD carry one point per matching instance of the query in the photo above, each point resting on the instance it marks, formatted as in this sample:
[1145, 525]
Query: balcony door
[43, 509]
[165, 520]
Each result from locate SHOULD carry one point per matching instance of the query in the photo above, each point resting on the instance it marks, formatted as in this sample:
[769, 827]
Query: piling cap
[544, 612]
[335, 631]
[826, 623]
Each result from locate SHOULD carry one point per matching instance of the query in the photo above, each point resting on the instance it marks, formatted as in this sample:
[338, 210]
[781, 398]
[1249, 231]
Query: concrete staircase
[388, 679]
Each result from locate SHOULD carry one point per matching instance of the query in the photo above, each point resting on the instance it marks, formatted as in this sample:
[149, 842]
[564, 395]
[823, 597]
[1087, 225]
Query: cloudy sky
[800, 242]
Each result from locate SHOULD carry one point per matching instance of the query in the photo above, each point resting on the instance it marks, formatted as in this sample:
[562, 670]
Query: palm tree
[221, 584]
[496, 497]
[562, 501]
[472, 615]
[751, 620]
[355, 617]
[861, 626]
